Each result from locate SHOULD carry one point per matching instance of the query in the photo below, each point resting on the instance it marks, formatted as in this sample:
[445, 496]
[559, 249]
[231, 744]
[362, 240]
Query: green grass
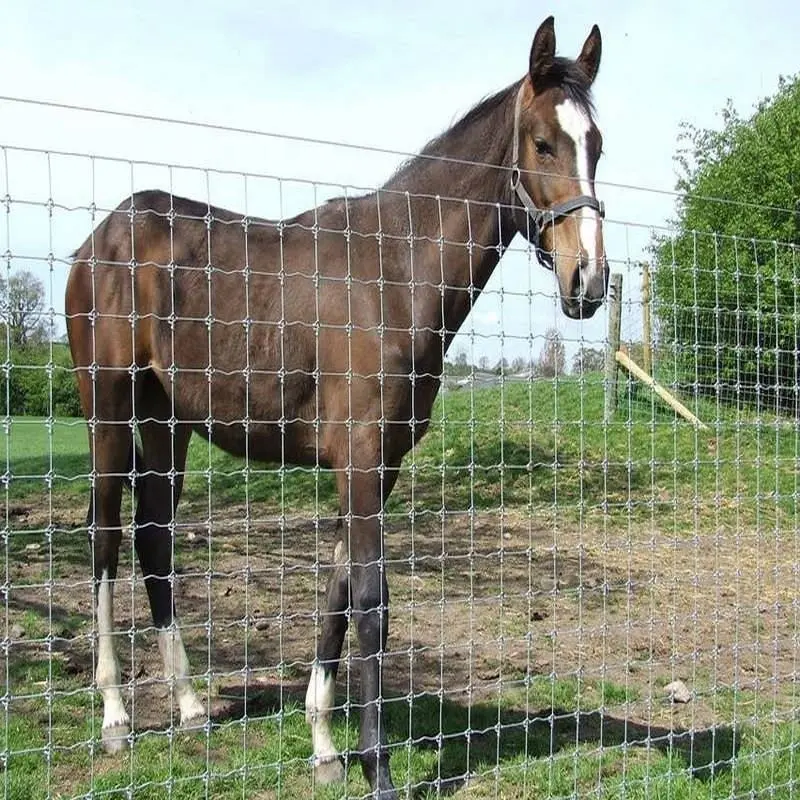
[553, 738]
[540, 448]
[34, 452]
[541, 445]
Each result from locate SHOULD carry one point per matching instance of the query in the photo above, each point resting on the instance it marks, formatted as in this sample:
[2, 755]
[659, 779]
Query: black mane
[482, 109]
[564, 74]
[449, 143]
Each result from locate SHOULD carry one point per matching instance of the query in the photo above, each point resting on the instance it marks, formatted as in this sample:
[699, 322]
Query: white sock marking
[107, 674]
[576, 124]
[176, 667]
[319, 707]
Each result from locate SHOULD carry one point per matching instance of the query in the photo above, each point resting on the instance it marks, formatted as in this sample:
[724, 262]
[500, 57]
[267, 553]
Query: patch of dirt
[479, 604]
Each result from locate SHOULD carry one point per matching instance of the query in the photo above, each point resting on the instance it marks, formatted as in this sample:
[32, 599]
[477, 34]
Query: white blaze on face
[576, 124]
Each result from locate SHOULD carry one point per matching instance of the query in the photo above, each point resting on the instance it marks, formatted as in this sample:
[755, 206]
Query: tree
[460, 365]
[725, 291]
[483, 363]
[552, 358]
[588, 359]
[22, 309]
[501, 367]
[518, 365]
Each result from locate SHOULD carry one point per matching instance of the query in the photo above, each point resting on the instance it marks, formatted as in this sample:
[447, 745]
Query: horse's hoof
[115, 737]
[329, 771]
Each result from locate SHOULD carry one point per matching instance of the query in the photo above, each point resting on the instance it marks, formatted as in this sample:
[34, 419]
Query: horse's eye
[542, 148]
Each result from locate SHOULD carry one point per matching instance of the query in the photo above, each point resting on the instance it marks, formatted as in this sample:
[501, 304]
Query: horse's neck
[477, 238]
[463, 206]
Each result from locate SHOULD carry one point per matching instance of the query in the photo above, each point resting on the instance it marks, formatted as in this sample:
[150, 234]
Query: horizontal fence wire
[588, 594]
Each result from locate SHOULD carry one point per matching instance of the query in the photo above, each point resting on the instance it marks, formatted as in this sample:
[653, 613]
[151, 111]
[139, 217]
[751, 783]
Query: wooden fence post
[614, 326]
[647, 331]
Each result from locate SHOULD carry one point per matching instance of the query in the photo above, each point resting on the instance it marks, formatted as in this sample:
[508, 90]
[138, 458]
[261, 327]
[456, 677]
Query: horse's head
[555, 150]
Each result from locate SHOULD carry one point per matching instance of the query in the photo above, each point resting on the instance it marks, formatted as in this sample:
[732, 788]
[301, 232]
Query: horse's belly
[265, 419]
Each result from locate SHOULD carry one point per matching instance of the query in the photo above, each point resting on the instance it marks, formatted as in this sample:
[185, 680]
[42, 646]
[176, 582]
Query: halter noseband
[540, 218]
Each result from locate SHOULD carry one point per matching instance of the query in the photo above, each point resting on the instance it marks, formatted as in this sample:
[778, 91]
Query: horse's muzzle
[587, 292]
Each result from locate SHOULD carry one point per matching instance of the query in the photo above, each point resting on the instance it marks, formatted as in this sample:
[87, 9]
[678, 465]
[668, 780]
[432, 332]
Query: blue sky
[385, 74]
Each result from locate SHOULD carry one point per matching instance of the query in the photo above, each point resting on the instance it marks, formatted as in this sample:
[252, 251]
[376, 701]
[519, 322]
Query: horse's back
[257, 331]
[202, 298]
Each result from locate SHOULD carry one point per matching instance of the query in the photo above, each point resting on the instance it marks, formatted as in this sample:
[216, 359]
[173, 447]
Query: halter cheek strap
[540, 218]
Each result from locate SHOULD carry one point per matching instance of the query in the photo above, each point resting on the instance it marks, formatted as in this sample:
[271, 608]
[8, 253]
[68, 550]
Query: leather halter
[540, 218]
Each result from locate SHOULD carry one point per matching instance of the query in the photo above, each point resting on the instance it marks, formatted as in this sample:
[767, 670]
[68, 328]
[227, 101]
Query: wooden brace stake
[668, 398]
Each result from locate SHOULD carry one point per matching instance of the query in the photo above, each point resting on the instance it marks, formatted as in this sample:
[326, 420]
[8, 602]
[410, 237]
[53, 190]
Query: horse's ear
[543, 51]
[589, 59]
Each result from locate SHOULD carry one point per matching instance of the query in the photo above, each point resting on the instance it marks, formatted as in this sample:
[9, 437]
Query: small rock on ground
[678, 692]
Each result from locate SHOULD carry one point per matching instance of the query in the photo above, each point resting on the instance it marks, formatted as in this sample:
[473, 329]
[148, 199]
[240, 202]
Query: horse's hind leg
[159, 489]
[110, 445]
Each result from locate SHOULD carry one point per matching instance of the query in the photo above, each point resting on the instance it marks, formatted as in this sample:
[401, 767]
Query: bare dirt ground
[480, 603]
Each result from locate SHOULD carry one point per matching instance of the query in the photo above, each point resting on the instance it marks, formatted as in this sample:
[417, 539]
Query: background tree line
[550, 361]
[36, 378]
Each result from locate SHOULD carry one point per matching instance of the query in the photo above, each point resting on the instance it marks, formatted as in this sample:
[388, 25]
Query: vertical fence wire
[7, 476]
[552, 569]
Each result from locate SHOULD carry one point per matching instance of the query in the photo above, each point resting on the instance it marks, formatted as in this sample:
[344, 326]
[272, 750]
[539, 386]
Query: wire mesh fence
[581, 604]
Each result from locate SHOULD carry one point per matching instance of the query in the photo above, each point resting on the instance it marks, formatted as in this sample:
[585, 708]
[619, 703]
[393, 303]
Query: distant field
[550, 574]
[539, 445]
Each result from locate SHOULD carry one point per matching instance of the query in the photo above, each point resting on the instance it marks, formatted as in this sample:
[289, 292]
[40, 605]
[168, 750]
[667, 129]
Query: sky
[375, 73]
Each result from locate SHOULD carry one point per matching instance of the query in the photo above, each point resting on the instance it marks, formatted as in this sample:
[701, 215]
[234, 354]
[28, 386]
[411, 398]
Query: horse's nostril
[575, 284]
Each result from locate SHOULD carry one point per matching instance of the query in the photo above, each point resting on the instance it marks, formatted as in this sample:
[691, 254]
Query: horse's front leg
[370, 601]
[320, 696]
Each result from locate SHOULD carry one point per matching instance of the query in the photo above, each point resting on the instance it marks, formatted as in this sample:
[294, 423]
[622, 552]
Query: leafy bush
[725, 284]
[33, 376]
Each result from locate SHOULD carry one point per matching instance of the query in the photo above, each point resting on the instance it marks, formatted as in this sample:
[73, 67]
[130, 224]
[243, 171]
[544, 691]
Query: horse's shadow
[480, 736]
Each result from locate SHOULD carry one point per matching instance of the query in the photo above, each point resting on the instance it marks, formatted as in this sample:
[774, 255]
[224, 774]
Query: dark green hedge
[37, 382]
[726, 285]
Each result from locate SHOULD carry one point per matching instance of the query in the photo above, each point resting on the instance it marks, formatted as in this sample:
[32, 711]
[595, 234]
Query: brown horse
[317, 340]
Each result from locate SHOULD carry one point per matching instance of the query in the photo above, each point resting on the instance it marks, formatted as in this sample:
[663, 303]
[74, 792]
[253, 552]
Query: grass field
[524, 445]
[550, 573]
